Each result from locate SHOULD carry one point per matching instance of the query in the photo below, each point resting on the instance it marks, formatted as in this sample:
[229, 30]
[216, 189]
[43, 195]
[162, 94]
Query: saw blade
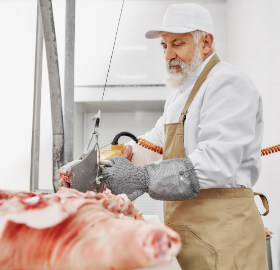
[84, 174]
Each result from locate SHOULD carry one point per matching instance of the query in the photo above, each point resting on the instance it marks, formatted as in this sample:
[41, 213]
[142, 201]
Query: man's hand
[124, 177]
[127, 153]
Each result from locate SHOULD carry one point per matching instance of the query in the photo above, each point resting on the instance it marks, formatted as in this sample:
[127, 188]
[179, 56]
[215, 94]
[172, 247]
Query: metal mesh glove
[170, 180]
[124, 177]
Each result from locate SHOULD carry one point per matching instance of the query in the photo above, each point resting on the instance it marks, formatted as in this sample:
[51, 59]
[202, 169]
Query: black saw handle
[124, 133]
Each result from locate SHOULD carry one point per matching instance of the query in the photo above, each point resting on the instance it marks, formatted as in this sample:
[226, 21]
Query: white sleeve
[227, 129]
[142, 156]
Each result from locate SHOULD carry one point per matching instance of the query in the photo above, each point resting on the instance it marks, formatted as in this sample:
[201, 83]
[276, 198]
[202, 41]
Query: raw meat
[74, 230]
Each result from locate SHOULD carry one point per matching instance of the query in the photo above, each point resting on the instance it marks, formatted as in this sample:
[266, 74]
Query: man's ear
[206, 44]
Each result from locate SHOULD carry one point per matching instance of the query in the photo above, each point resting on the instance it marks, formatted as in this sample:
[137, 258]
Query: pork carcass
[74, 230]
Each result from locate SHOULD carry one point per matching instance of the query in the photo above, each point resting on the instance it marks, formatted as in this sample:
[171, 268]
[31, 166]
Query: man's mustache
[174, 63]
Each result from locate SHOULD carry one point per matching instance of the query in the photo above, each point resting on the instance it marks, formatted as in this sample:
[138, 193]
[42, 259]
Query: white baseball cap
[184, 18]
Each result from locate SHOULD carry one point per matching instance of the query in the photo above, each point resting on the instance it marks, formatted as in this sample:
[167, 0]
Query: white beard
[174, 80]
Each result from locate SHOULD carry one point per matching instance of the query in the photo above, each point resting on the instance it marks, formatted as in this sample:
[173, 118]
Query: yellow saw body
[115, 151]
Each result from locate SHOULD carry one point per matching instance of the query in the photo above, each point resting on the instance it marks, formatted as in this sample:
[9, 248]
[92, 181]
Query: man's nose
[169, 54]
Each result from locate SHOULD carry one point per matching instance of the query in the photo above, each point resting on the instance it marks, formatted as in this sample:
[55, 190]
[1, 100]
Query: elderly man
[211, 133]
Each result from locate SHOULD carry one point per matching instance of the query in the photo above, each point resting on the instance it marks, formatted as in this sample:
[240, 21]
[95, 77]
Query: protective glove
[170, 180]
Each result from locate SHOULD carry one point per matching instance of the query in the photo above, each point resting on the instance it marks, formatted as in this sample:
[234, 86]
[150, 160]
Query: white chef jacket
[223, 128]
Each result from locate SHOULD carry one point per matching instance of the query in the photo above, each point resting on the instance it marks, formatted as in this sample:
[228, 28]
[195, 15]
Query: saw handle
[124, 133]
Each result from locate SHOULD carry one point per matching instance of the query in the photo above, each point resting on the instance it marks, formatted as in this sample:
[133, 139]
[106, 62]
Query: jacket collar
[188, 84]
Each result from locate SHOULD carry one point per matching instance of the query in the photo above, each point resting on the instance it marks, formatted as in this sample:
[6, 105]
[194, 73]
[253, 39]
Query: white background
[247, 35]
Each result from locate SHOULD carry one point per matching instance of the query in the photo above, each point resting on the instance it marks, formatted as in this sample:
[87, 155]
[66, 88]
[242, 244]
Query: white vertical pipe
[55, 89]
[69, 80]
[35, 145]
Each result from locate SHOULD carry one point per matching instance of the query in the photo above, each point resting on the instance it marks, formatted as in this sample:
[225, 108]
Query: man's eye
[176, 45]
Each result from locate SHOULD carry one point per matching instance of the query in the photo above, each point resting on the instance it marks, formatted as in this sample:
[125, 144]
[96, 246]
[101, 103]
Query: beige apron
[221, 228]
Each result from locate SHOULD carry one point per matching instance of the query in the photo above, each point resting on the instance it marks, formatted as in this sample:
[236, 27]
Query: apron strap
[202, 77]
[264, 201]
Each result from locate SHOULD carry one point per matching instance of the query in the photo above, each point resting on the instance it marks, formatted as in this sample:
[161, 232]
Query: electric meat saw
[85, 174]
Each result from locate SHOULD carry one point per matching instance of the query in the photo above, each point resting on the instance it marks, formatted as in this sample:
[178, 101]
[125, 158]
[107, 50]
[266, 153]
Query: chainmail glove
[170, 180]
[124, 177]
